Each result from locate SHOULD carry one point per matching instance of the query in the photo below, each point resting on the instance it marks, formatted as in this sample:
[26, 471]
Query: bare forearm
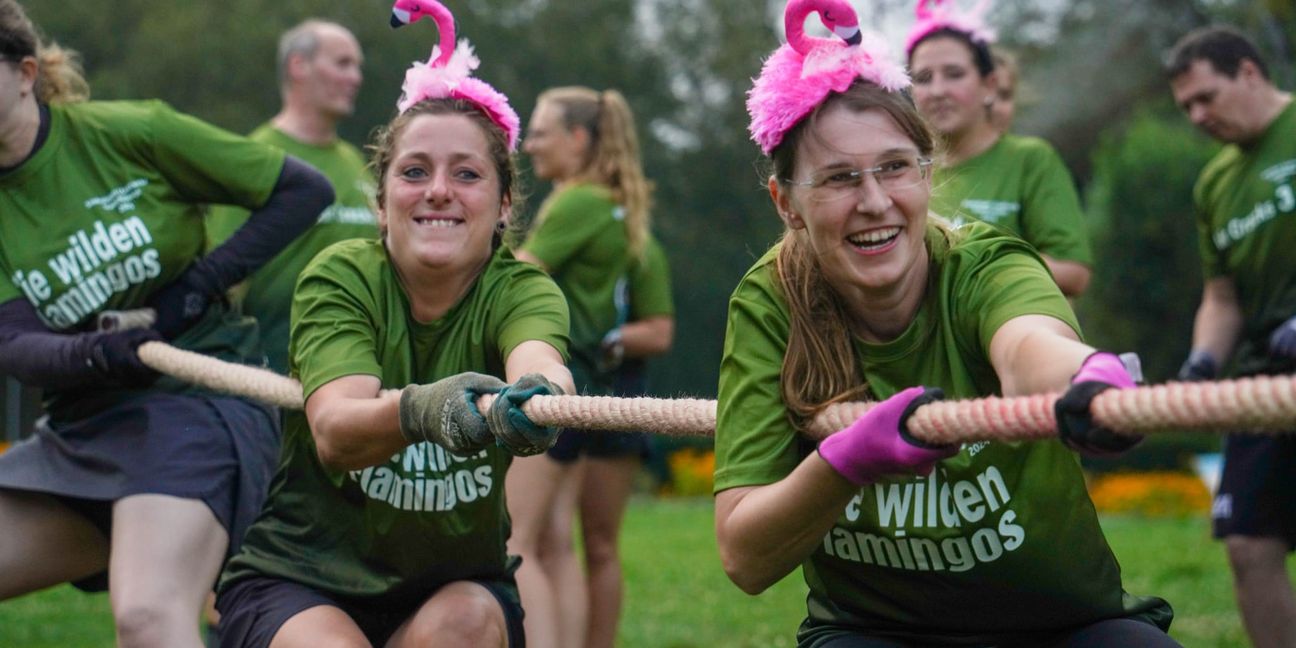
[352, 433]
[1070, 276]
[1216, 328]
[765, 532]
[534, 356]
[1033, 354]
[648, 337]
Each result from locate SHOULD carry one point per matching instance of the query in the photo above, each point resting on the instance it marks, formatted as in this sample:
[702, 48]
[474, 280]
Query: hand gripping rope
[1260, 404]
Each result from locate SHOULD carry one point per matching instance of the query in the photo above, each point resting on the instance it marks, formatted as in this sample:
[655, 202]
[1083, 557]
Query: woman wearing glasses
[1012, 181]
[869, 297]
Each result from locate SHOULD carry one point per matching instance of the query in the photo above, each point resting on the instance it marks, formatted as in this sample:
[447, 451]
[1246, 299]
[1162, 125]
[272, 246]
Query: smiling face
[947, 86]
[871, 241]
[441, 196]
[557, 153]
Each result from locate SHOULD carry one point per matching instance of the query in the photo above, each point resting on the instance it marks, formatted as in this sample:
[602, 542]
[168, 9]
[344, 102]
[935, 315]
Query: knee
[601, 549]
[143, 623]
[462, 618]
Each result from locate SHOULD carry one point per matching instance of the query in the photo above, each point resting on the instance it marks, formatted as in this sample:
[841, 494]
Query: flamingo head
[935, 15]
[837, 15]
[840, 19]
[405, 12]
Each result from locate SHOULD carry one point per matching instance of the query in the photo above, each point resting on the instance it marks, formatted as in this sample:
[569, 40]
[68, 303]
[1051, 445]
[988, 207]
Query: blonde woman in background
[591, 234]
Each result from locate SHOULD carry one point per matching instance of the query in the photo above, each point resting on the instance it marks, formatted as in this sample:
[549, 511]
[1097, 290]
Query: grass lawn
[678, 597]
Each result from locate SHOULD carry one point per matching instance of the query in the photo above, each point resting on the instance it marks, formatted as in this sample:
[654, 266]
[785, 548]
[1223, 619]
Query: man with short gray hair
[319, 78]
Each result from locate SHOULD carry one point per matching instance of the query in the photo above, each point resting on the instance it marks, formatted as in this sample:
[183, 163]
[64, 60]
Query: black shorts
[1101, 634]
[1257, 492]
[253, 610]
[599, 444]
[215, 449]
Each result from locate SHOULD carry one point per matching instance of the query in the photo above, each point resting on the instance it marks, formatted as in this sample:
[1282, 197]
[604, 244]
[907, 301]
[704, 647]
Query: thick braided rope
[1260, 404]
[226, 377]
[680, 416]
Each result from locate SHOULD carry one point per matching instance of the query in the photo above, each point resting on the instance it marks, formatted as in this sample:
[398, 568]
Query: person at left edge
[149, 480]
[319, 76]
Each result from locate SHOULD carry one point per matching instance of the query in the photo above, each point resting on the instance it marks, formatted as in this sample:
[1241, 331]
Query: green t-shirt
[394, 531]
[971, 552]
[650, 284]
[581, 238]
[1246, 229]
[269, 291]
[647, 293]
[110, 209]
[1020, 184]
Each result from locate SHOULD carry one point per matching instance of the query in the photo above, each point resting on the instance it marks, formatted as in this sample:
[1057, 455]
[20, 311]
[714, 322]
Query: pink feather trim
[791, 86]
[454, 80]
[935, 15]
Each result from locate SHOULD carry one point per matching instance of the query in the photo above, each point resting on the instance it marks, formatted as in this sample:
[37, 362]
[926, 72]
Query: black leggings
[1104, 634]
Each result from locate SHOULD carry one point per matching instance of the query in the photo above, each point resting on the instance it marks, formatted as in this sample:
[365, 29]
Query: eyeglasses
[892, 174]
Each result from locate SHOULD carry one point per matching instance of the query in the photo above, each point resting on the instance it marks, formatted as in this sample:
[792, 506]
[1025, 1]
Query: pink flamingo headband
[935, 15]
[804, 71]
[448, 70]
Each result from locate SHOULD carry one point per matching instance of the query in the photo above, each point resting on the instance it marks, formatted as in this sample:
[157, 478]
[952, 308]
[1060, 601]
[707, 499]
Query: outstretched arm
[1219, 319]
[764, 532]
[354, 422]
[648, 337]
[534, 356]
[1036, 353]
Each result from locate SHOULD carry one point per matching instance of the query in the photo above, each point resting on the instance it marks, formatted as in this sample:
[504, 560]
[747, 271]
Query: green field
[678, 597]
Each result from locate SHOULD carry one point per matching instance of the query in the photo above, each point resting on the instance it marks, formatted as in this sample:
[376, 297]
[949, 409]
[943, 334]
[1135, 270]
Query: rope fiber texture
[1262, 404]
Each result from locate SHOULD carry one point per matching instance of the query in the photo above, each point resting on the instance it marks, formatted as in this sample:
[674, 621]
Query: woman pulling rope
[386, 522]
[902, 542]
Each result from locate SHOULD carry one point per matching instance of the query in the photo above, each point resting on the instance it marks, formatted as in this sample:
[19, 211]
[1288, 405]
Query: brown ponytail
[58, 76]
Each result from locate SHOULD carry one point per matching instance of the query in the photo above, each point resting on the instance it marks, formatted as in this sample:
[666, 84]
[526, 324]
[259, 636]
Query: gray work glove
[511, 427]
[445, 412]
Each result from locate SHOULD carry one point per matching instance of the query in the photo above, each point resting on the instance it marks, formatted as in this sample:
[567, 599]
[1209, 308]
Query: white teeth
[436, 222]
[873, 237]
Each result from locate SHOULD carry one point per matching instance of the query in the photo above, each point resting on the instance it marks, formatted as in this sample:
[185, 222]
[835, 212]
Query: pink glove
[877, 444]
[1099, 372]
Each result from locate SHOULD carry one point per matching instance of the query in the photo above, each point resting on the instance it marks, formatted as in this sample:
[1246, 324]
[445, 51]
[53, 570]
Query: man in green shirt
[319, 75]
[1246, 220]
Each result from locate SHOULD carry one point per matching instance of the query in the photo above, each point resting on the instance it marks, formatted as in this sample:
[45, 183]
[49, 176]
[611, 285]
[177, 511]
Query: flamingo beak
[399, 17]
[851, 34]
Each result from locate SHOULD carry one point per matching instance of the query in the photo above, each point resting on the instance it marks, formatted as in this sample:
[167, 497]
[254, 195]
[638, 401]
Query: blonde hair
[820, 366]
[613, 156]
[58, 74]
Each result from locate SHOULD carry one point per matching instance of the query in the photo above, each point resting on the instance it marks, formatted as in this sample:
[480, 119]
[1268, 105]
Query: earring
[500, 226]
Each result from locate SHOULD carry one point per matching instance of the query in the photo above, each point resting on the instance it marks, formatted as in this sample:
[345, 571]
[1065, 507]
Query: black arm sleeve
[298, 198]
[39, 357]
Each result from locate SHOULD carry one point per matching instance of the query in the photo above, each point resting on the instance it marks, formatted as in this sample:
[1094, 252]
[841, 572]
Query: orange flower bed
[1157, 494]
[692, 470]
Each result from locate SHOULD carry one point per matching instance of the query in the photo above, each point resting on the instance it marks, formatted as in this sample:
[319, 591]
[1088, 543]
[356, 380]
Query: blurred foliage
[1153, 494]
[691, 472]
[1147, 273]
